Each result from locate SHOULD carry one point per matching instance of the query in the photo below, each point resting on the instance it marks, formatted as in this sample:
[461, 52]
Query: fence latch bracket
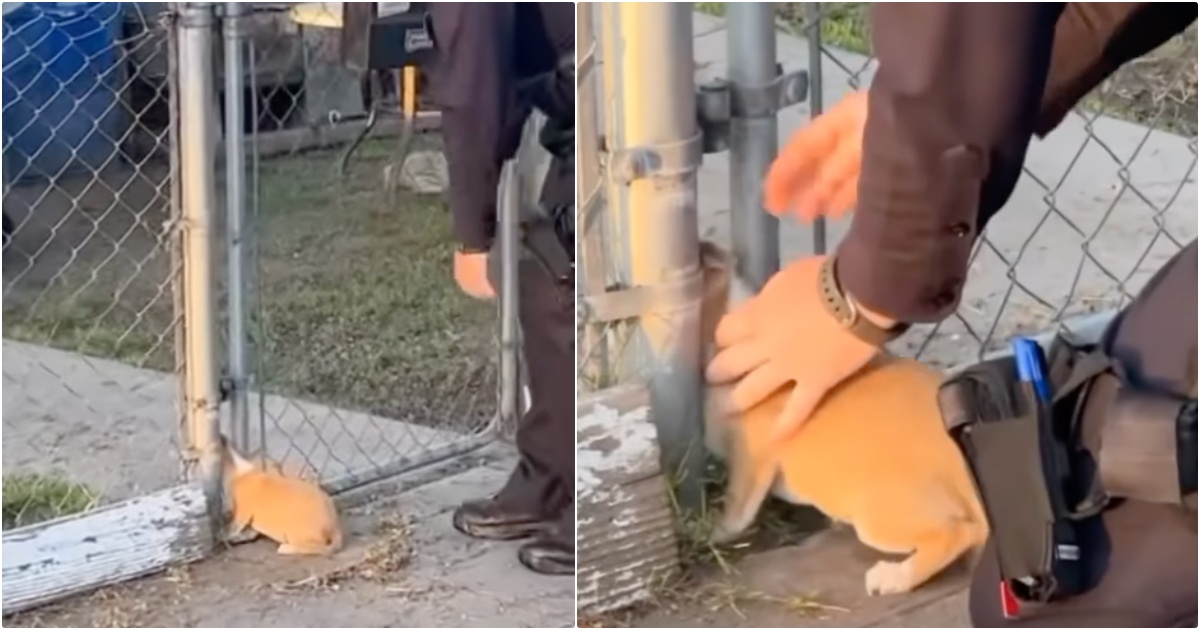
[626, 303]
[657, 160]
[718, 102]
[225, 387]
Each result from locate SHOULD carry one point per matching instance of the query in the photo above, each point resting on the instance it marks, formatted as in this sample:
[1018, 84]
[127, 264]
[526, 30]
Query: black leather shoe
[490, 520]
[548, 557]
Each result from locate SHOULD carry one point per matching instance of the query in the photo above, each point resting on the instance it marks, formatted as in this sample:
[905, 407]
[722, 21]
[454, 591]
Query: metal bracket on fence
[226, 386]
[719, 101]
[629, 303]
[677, 158]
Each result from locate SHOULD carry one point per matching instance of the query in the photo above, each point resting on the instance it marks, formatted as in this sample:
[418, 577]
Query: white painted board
[48, 561]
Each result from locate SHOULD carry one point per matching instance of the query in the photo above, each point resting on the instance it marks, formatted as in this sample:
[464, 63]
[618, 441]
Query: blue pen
[1031, 366]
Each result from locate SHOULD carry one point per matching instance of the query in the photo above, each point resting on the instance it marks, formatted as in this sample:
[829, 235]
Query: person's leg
[547, 440]
[541, 487]
[1147, 575]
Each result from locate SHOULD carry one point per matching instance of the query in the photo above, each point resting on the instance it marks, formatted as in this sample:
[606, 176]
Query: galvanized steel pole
[657, 154]
[235, 228]
[197, 179]
[816, 95]
[753, 138]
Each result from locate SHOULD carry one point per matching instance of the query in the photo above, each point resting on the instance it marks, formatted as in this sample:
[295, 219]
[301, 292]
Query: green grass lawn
[29, 499]
[355, 303]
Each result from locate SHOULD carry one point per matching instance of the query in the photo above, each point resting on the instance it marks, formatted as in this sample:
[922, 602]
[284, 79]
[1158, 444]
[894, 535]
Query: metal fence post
[593, 261]
[753, 137]
[816, 94]
[511, 196]
[656, 155]
[237, 342]
[197, 159]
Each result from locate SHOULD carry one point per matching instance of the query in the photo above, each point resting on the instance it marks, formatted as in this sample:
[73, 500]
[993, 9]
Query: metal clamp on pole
[664, 160]
[718, 102]
[630, 303]
[740, 114]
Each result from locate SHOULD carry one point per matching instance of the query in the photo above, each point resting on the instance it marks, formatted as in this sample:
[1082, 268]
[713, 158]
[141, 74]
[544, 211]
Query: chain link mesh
[90, 258]
[371, 357]
[1104, 200]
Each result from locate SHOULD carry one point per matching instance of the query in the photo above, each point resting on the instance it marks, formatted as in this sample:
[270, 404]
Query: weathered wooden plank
[626, 530]
[48, 561]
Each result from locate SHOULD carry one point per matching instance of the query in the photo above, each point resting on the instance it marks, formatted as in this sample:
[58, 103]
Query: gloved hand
[471, 274]
[782, 336]
[816, 173]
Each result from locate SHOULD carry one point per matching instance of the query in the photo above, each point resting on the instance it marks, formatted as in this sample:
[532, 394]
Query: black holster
[1044, 471]
[548, 231]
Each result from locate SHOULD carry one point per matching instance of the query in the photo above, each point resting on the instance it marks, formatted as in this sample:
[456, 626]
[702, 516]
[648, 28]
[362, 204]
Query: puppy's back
[287, 510]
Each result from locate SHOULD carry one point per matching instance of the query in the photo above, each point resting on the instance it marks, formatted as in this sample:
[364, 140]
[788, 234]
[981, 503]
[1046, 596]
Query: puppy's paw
[889, 578]
[238, 535]
[724, 533]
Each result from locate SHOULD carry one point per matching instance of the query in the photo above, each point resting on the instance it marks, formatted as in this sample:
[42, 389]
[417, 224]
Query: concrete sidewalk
[113, 427]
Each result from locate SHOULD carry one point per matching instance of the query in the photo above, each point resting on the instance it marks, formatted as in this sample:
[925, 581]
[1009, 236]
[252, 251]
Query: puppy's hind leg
[933, 552]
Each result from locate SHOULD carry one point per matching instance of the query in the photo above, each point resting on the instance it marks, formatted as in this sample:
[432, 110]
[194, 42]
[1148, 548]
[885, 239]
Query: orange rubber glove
[471, 274]
[785, 335]
[817, 172]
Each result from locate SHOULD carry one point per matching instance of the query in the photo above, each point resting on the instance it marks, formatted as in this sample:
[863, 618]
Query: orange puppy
[874, 455]
[295, 513]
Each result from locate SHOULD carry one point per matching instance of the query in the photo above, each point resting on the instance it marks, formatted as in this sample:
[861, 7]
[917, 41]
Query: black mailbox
[370, 42]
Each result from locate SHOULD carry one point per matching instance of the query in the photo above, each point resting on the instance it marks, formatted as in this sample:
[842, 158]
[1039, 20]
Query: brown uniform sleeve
[950, 115]
[961, 89]
[1093, 39]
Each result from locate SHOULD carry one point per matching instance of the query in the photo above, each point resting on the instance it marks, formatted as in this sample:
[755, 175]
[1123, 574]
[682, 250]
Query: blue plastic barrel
[62, 77]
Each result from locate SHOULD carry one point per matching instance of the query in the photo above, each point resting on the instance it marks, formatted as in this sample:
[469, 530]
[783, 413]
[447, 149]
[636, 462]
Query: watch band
[846, 312]
[464, 249]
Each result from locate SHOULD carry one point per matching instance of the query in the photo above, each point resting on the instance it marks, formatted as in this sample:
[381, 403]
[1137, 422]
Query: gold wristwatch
[846, 312]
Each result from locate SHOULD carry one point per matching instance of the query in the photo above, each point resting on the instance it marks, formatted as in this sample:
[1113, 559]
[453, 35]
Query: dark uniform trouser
[544, 481]
[1146, 575]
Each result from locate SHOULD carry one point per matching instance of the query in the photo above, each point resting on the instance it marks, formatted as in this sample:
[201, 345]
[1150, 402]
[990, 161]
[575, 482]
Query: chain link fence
[1104, 201]
[90, 258]
[361, 357]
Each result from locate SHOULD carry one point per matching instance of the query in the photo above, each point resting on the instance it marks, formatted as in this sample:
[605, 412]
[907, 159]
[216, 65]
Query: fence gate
[351, 353]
